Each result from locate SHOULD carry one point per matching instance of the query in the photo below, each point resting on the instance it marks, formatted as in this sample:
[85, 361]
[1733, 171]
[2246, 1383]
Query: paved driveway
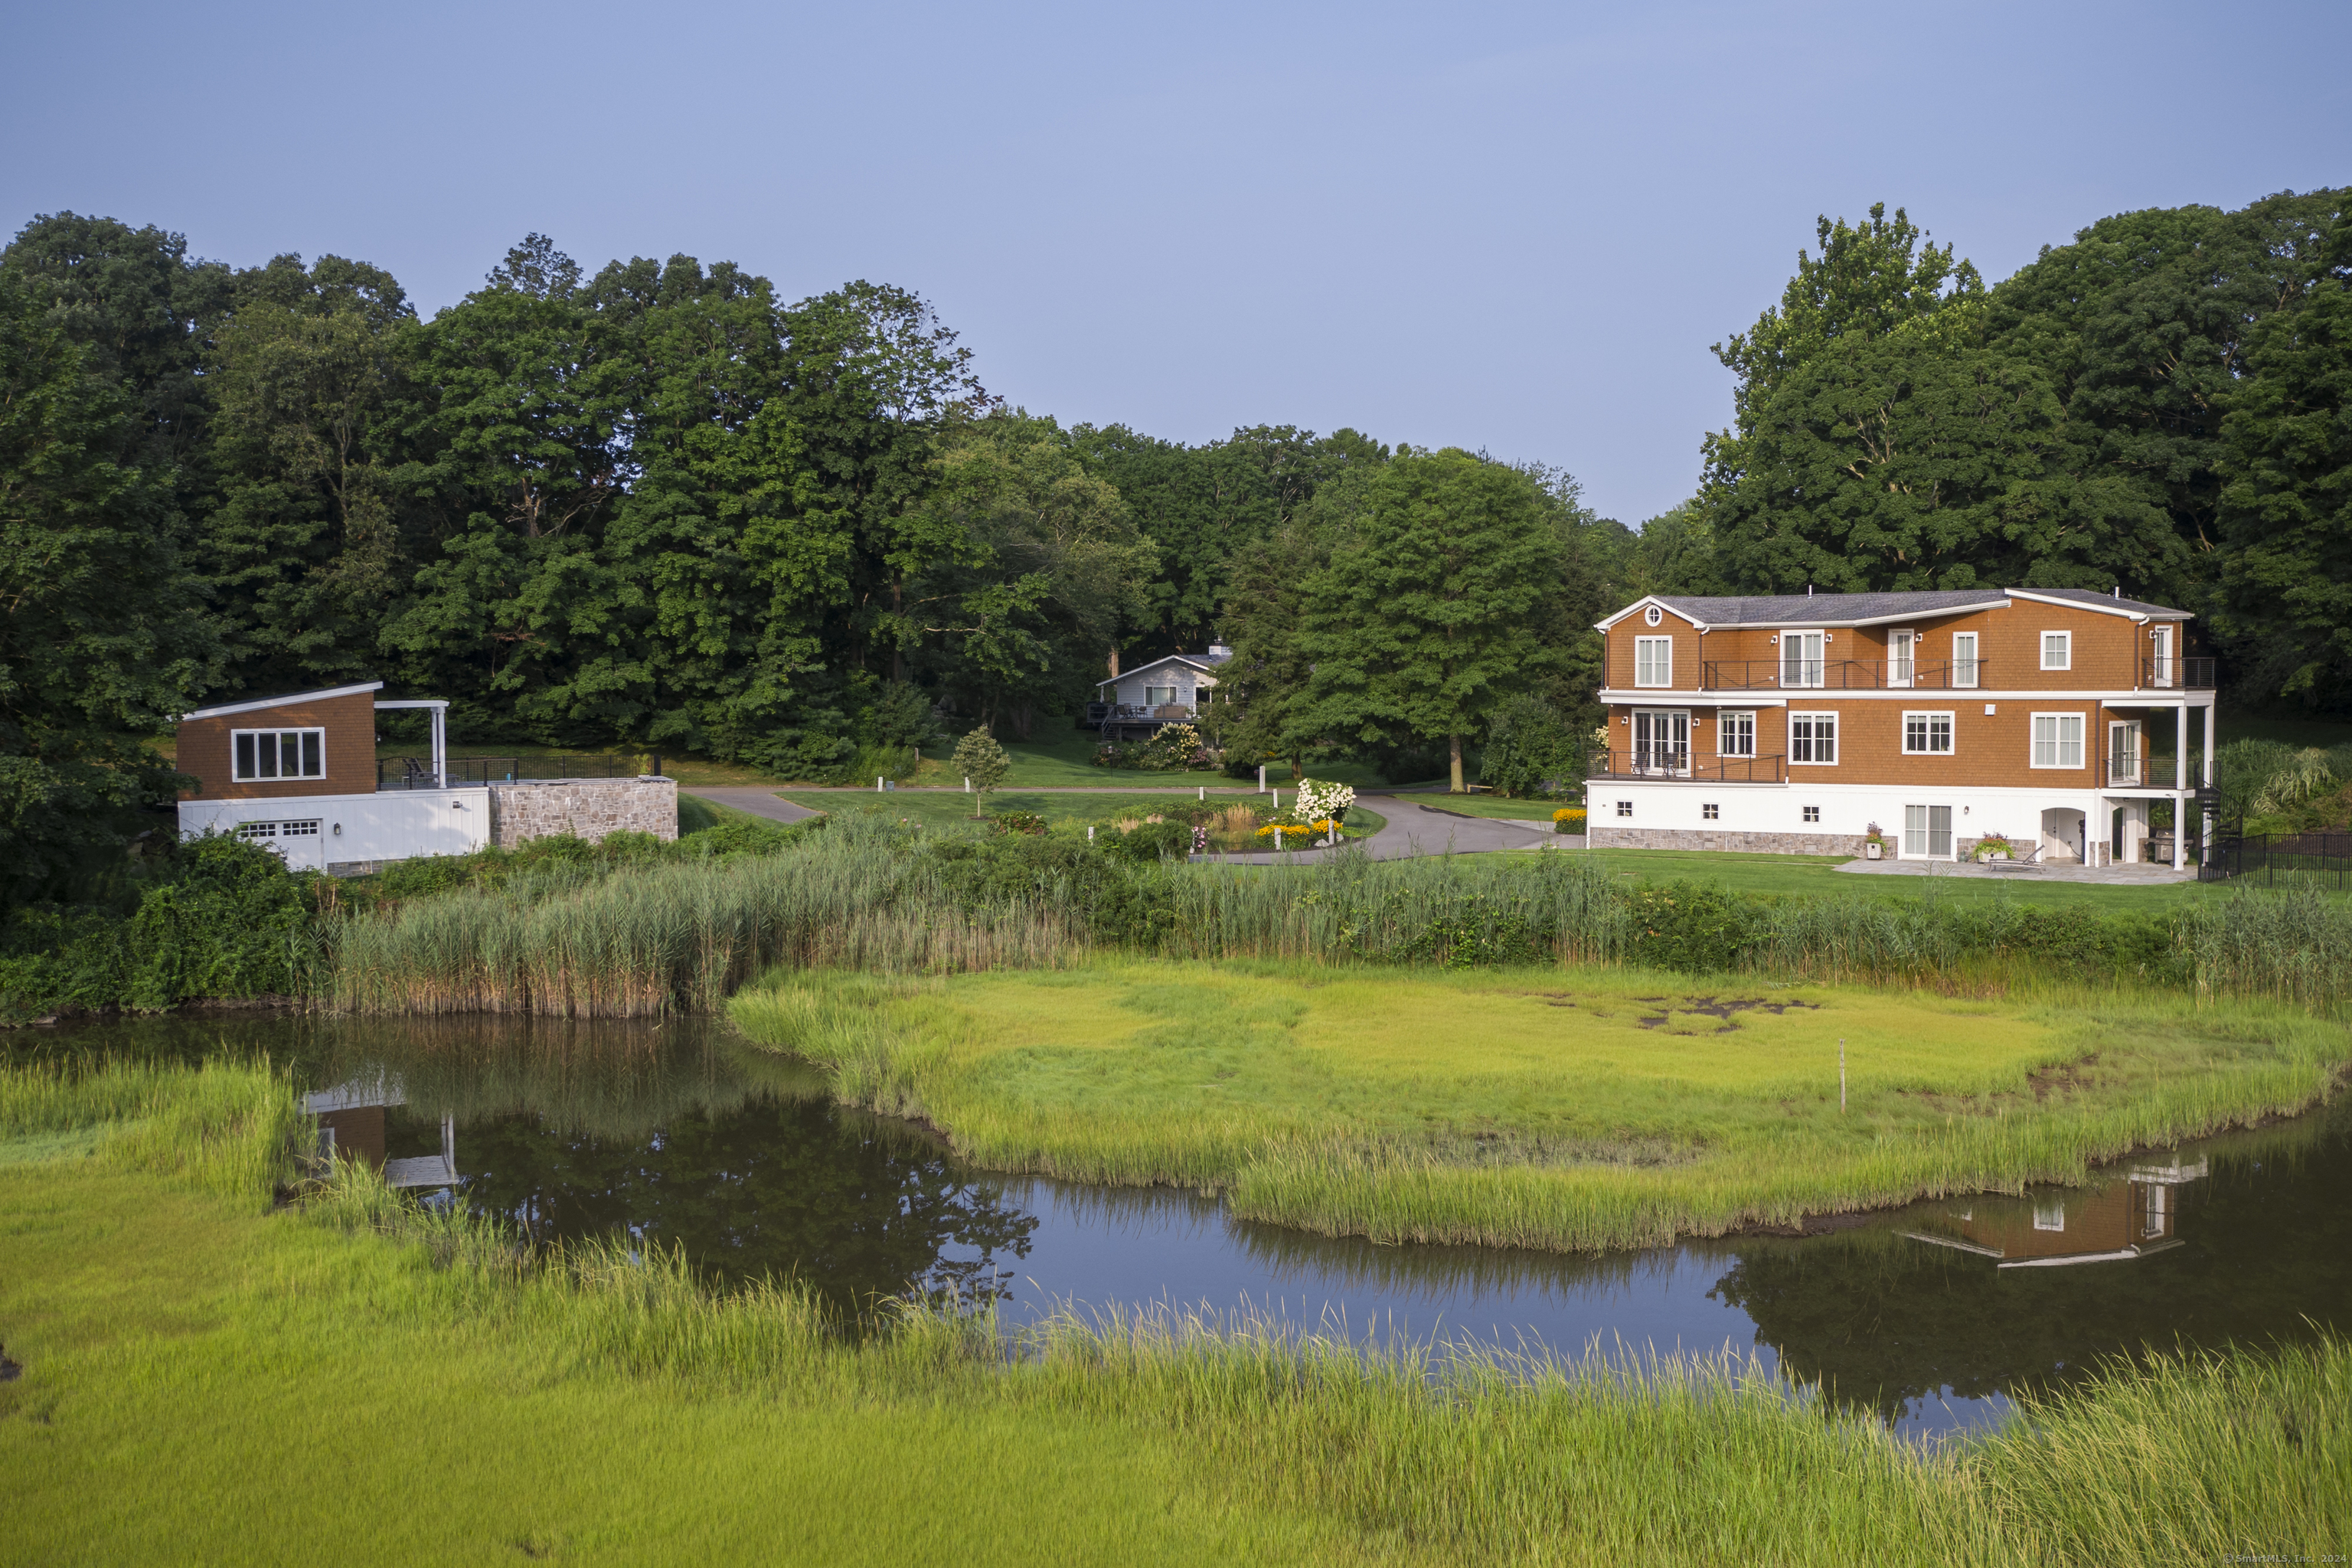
[1413, 828]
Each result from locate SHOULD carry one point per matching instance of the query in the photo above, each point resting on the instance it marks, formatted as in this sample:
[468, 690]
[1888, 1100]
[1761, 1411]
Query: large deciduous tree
[2285, 513]
[1427, 617]
[103, 638]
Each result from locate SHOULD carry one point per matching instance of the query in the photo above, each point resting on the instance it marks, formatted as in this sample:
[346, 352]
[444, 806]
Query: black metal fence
[417, 773]
[2280, 860]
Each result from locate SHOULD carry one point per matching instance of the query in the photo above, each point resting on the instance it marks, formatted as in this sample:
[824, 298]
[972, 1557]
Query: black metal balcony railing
[2177, 673]
[417, 773]
[2144, 772]
[1668, 763]
[1845, 674]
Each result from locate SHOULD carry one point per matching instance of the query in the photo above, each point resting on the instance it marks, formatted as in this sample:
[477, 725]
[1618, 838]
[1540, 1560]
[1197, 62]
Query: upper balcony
[2176, 673]
[1843, 674]
[1671, 761]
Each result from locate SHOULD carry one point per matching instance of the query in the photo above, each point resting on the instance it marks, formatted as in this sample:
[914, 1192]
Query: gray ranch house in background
[1136, 703]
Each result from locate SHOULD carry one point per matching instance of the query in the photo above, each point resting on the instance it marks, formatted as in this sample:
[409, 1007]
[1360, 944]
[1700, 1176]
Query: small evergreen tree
[980, 759]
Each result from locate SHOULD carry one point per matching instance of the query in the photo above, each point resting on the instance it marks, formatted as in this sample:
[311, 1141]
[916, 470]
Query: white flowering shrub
[1320, 801]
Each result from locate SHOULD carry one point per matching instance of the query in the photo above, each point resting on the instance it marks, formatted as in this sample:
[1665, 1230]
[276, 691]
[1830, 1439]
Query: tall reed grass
[584, 939]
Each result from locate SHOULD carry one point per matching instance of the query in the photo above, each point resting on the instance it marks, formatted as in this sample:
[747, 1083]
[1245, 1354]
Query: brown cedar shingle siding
[349, 725]
[2109, 649]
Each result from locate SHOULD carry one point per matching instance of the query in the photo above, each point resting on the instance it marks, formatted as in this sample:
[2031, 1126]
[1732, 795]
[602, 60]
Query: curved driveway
[1412, 829]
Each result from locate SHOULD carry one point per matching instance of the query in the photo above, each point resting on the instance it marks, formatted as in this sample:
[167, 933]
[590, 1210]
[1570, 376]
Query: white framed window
[2049, 1214]
[1964, 659]
[1813, 814]
[1154, 696]
[257, 830]
[2160, 668]
[1661, 740]
[2057, 740]
[1928, 734]
[259, 754]
[1624, 808]
[1802, 661]
[299, 829]
[1902, 646]
[1710, 811]
[1926, 832]
[1652, 616]
[2123, 752]
[1735, 734]
[1812, 739]
[1653, 661]
[2057, 650]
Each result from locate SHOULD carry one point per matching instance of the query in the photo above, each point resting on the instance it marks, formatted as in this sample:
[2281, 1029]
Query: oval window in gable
[1652, 616]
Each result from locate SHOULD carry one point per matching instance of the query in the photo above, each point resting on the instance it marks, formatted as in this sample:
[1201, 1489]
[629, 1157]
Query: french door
[2123, 754]
[1800, 659]
[1661, 740]
[1900, 648]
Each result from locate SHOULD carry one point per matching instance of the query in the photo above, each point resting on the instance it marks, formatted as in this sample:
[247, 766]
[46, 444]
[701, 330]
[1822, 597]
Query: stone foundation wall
[1599, 836]
[584, 809]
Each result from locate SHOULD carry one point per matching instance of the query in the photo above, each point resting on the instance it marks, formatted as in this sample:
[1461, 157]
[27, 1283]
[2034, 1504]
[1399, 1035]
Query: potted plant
[1991, 846]
[1874, 844]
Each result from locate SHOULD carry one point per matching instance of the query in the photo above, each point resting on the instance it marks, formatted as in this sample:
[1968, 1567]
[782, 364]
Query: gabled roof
[256, 704]
[1205, 663]
[1875, 609]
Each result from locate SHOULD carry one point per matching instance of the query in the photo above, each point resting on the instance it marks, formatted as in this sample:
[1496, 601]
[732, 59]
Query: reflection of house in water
[2125, 1219]
[351, 1124]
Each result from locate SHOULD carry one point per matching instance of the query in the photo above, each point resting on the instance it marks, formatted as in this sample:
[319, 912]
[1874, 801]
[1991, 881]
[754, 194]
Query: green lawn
[1100, 809]
[208, 1378]
[1817, 875]
[1493, 805]
[1551, 1108]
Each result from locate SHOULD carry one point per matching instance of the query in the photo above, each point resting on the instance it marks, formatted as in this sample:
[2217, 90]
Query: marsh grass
[1561, 1108]
[228, 1127]
[432, 1344]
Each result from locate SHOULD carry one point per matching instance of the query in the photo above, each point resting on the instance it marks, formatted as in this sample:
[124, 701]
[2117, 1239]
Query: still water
[1930, 1316]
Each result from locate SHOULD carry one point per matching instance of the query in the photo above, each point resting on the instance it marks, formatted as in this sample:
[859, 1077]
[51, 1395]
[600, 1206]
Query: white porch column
[2179, 784]
[440, 747]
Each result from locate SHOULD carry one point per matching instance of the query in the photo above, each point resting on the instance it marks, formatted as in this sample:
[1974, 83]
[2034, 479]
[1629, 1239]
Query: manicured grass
[1491, 805]
[1816, 875]
[1553, 1108]
[1099, 808]
[206, 1380]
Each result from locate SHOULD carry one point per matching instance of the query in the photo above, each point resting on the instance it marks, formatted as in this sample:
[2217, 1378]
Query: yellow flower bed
[1568, 819]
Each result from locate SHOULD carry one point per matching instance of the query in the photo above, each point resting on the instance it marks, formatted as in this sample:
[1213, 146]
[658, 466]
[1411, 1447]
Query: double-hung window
[1926, 832]
[1928, 734]
[2057, 739]
[1812, 738]
[2057, 650]
[1653, 661]
[1735, 734]
[260, 754]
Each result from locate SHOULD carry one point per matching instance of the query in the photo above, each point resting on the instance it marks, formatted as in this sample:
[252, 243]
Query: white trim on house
[1662, 669]
[2109, 609]
[258, 703]
[1644, 603]
[1200, 666]
[2066, 647]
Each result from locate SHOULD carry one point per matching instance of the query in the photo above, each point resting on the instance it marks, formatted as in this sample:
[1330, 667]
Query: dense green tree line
[2160, 405]
[659, 507]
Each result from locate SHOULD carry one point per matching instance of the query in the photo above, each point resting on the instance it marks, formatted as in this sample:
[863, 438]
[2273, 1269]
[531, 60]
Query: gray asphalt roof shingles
[1840, 609]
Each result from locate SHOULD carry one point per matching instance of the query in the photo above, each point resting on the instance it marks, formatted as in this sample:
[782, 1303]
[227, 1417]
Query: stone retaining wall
[584, 809]
[1600, 837]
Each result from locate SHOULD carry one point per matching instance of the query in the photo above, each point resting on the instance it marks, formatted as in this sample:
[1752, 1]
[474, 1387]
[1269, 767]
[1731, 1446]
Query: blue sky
[1516, 228]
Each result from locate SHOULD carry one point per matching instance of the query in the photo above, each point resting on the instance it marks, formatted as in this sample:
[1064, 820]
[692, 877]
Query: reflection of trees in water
[2266, 1252]
[769, 1186]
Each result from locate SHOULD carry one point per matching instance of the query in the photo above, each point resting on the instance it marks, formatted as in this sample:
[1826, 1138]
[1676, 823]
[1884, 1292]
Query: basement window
[1813, 814]
[1710, 813]
[1624, 808]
